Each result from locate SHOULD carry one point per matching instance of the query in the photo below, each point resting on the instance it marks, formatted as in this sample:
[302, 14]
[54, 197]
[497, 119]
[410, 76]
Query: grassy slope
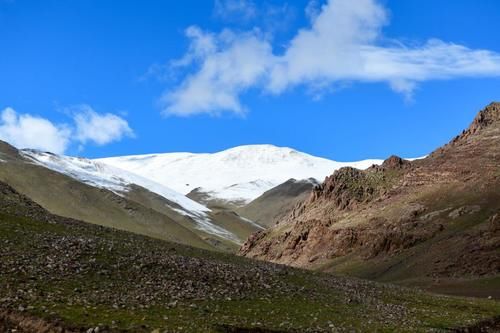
[224, 218]
[65, 196]
[276, 202]
[234, 223]
[159, 204]
[139, 210]
[86, 276]
[447, 250]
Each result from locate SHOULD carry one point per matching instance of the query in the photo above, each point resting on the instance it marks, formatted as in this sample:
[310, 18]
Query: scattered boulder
[494, 222]
[411, 212]
[433, 215]
[465, 210]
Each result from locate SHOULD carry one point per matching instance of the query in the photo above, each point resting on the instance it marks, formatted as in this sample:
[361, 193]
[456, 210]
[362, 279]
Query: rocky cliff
[432, 218]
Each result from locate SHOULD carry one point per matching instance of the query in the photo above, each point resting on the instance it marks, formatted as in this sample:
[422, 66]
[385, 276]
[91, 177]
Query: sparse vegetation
[81, 276]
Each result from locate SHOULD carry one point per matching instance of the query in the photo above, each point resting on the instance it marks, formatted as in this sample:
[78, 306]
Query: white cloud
[101, 129]
[234, 10]
[229, 64]
[27, 131]
[344, 43]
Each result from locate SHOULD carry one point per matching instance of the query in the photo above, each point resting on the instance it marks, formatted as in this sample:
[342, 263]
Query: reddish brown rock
[420, 218]
[395, 162]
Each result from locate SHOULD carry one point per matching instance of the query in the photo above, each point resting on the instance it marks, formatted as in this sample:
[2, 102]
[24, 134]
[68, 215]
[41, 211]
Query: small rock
[465, 210]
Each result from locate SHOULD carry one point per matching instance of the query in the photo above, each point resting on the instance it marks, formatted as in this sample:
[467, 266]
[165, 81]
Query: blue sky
[340, 79]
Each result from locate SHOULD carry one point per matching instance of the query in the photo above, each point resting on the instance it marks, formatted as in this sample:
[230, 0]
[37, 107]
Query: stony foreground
[62, 275]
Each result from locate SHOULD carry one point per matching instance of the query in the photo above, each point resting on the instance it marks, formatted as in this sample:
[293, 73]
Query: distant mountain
[97, 193]
[121, 182]
[278, 201]
[432, 222]
[233, 177]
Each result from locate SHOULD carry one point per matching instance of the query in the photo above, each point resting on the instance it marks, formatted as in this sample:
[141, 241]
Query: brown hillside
[431, 221]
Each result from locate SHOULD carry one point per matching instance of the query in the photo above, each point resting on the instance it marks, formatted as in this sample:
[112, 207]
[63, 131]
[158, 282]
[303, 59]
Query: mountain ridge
[96, 193]
[401, 220]
[236, 176]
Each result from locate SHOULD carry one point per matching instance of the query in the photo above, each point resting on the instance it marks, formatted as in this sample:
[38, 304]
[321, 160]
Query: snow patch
[119, 181]
[239, 174]
[252, 222]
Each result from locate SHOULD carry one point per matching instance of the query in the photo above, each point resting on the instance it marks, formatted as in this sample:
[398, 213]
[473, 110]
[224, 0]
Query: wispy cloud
[344, 43]
[88, 126]
[235, 10]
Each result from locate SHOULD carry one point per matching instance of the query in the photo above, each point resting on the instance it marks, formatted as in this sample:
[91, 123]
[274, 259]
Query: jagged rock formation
[431, 218]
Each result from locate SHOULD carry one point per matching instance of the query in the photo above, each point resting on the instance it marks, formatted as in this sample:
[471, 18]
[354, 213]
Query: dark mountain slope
[276, 202]
[432, 222]
[61, 275]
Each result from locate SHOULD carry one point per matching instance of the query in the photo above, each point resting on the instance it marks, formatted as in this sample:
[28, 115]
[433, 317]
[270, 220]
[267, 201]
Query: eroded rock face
[395, 162]
[394, 209]
[315, 240]
[487, 117]
[346, 188]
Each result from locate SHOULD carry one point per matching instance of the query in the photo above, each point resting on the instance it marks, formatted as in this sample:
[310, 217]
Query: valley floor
[74, 276]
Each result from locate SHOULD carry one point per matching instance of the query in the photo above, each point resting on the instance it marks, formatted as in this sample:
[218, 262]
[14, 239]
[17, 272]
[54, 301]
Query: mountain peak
[482, 127]
[252, 168]
[395, 162]
[486, 117]
[262, 147]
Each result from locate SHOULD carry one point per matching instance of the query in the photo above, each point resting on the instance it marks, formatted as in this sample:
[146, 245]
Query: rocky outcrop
[345, 188]
[401, 210]
[348, 187]
[485, 118]
[395, 163]
[314, 240]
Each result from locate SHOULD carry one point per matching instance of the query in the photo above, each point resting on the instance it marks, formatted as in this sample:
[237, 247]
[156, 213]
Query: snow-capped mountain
[239, 174]
[119, 181]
